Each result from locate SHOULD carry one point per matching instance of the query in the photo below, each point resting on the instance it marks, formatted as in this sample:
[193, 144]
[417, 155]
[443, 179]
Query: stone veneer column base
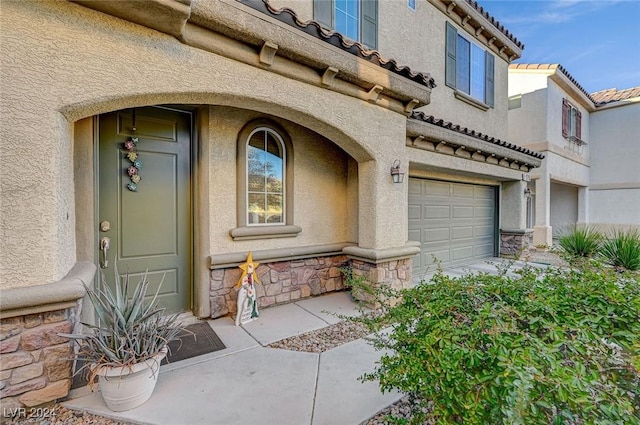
[514, 242]
[394, 274]
[34, 361]
[280, 282]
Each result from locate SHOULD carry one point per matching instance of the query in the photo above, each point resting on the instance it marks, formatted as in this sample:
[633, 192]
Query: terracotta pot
[124, 388]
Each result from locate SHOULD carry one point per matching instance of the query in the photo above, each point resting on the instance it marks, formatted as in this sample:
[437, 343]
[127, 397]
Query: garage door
[454, 222]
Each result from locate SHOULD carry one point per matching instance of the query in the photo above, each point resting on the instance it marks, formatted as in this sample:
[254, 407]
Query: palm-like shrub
[580, 241]
[129, 330]
[622, 250]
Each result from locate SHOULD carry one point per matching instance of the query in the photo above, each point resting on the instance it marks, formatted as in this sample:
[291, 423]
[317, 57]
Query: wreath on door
[133, 171]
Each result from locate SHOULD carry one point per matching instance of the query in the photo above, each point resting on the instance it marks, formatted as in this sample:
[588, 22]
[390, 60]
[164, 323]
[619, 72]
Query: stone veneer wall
[513, 243]
[34, 360]
[280, 282]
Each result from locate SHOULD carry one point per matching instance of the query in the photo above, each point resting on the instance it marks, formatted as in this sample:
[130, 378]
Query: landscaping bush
[622, 250]
[580, 241]
[559, 347]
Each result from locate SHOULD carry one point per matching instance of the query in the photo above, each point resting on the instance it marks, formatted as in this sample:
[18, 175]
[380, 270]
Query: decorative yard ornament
[247, 298]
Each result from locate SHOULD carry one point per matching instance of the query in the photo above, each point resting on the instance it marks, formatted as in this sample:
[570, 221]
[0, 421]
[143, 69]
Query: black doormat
[200, 339]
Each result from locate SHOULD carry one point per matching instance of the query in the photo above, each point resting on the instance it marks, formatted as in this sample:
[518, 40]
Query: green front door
[150, 228]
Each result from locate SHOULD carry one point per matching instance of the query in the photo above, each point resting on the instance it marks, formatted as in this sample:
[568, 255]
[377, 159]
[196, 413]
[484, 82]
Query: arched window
[265, 182]
[266, 177]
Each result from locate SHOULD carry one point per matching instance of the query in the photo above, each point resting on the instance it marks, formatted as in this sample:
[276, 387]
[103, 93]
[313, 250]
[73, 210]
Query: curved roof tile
[313, 28]
[445, 124]
[603, 97]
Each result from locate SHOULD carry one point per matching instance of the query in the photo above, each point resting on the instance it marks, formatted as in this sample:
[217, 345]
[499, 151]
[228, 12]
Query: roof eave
[485, 31]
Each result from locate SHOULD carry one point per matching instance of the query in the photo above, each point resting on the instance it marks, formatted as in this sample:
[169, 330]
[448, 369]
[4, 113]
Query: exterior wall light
[527, 193]
[397, 176]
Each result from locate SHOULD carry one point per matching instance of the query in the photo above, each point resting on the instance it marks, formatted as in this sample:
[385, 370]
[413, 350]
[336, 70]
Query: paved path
[250, 384]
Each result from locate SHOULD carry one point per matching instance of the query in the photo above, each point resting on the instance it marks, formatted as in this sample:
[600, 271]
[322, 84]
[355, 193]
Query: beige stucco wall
[417, 39]
[615, 179]
[56, 70]
[521, 82]
[561, 181]
[564, 207]
[321, 178]
[555, 94]
[615, 147]
[528, 123]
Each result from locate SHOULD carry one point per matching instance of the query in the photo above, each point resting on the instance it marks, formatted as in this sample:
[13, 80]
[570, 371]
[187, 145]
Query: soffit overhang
[482, 26]
[241, 32]
[429, 133]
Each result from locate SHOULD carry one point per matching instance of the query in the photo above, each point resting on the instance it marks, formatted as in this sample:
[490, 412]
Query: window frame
[571, 120]
[244, 230]
[324, 12]
[452, 61]
[266, 192]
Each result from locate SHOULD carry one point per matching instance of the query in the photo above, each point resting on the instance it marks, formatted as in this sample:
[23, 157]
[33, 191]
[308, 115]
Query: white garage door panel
[454, 222]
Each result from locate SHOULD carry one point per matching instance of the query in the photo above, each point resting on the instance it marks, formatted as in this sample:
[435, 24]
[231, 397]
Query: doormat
[200, 339]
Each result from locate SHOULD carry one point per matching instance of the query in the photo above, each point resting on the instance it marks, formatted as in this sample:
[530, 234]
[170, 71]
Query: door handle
[105, 243]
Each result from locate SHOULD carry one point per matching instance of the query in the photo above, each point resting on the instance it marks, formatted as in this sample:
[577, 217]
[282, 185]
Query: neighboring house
[590, 142]
[257, 131]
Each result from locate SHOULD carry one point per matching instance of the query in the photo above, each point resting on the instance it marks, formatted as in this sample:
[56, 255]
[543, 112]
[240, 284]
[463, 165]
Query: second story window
[469, 68]
[572, 127]
[355, 19]
[571, 121]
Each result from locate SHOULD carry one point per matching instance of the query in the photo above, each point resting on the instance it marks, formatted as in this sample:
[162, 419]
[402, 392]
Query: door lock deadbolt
[105, 226]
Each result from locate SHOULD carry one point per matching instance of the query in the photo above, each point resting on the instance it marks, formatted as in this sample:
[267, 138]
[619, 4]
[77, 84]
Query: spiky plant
[129, 330]
[580, 241]
[622, 249]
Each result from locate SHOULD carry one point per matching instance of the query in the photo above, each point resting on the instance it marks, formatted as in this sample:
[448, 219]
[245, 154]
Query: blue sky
[597, 41]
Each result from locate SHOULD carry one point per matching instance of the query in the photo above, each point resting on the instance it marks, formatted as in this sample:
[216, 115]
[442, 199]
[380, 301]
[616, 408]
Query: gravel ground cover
[322, 339]
[60, 415]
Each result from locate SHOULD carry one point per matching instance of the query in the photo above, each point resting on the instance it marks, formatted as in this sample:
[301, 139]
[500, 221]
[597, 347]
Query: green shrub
[580, 241]
[554, 347]
[622, 250]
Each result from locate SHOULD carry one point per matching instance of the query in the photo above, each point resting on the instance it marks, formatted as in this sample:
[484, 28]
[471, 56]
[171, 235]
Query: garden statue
[247, 298]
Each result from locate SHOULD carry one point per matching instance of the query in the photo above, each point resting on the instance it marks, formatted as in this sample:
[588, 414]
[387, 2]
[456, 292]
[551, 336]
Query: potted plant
[125, 348]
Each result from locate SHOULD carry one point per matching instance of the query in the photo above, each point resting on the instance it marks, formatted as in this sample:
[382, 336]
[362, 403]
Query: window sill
[264, 232]
[471, 101]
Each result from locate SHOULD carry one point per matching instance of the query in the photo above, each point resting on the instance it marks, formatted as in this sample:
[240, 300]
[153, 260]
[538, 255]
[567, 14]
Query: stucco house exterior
[590, 142]
[178, 135]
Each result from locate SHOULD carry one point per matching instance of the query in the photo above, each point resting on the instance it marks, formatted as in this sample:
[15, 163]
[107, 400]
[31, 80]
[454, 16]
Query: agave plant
[129, 330]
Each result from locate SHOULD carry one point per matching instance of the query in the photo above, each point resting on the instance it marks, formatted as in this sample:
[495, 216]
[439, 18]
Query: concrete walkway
[249, 384]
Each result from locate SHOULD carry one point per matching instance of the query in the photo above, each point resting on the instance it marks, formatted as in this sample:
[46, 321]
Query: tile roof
[603, 97]
[314, 29]
[495, 23]
[457, 128]
[555, 67]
